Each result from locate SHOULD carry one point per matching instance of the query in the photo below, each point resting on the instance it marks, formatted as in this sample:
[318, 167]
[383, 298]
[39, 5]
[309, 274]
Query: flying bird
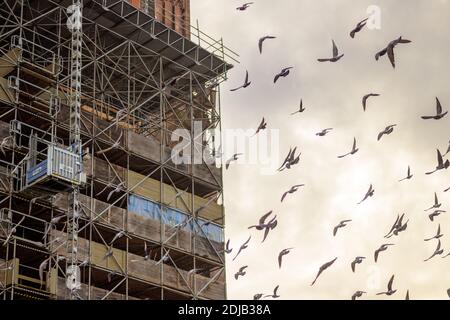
[262, 126]
[5, 143]
[353, 151]
[336, 57]
[241, 272]
[227, 249]
[53, 221]
[368, 194]
[323, 268]
[341, 224]
[235, 157]
[408, 175]
[367, 96]
[439, 113]
[117, 236]
[438, 234]
[291, 190]
[245, 85]
[437, 251]
[388, 130]
[324, 132]
[441, 164]
[13, 231]
[281, 254]
[383, 247]
[397, 227]
[389, 291]
[301, 108]
[261, 41]
[407, 295]
[358, 27]
[436, 204]
[446, 190]
[358, 260]
[435, 213]
[258, 296]
[290, 160]
[283, 73]
[390, 50]
[243, 246]
[244, 6]
[269, 226]
[274, 295]
[357, 294]
[262, 221]
[118, 188]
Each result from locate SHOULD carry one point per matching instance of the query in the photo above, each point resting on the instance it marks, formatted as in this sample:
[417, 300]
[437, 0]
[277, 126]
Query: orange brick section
[135, 3]
[174, 14]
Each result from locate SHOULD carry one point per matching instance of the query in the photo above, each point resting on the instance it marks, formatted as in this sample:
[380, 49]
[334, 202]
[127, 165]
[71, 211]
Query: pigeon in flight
[358, 27]
[446, 190]
[383, 247]
[353, 151]
[408, 175]
[388, 130]
[244, 6]
[261, 41]
[243, 246]
[262, 126]
[390, 50]
[269, 226]
[436, 204]
[435, 214]
[324, 132]
[407, 295]
[367, 96]
[398, 226]
[438, 234]
[290, 160]
[274, 295]
[262, 221]
[437, 251]
[323, 268]
[369, 193]
[291, 190]
[358, 260]
[283, 73]
[281, 254]
[358, 294]
[441, 164]
[235, 157]
[245, 85]
[336, 57]
[439, 113]
[227, 249]
[5, 143]
[301, 109]
[258, 296]
[117, 236]
[341, 224]
[389, 291]
[241, 272]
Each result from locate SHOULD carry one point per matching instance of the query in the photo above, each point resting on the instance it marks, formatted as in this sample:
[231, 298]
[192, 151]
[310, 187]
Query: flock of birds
[266, 224]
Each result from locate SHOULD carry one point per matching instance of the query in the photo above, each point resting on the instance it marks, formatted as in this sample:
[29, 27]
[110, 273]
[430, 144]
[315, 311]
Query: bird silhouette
[435, 213]
[358, 294]
[383, 247]
[390, 50]
[367, 96]
[389, 291]
[441, 164]
[261, 41]
[437, 251]
[358, 27]
[244, 6]
[283, 73]
[291, 190]
[262, 126]
[275, 294]
[324, 132]
[358, 260]
[408, 175]
[368, 194]
[235, 157]
[301, 108]
[436, 204]
[341, 224]
[336, 57]
[281, 254]
[323, 268]
[388, 130]
[243, 246]
[439, 114]
[438, 234]
[241, 272]
[245, 85]
[353, 151]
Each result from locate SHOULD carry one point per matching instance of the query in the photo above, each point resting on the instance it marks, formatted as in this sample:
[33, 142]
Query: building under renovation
[93, 94]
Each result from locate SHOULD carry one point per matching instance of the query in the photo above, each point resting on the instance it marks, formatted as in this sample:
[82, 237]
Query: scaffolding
[92, 205]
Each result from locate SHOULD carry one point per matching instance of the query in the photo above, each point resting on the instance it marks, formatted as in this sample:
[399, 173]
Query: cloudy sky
[332, 96]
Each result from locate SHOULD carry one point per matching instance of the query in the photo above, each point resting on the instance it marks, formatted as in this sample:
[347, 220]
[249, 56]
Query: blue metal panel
[37, 172]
